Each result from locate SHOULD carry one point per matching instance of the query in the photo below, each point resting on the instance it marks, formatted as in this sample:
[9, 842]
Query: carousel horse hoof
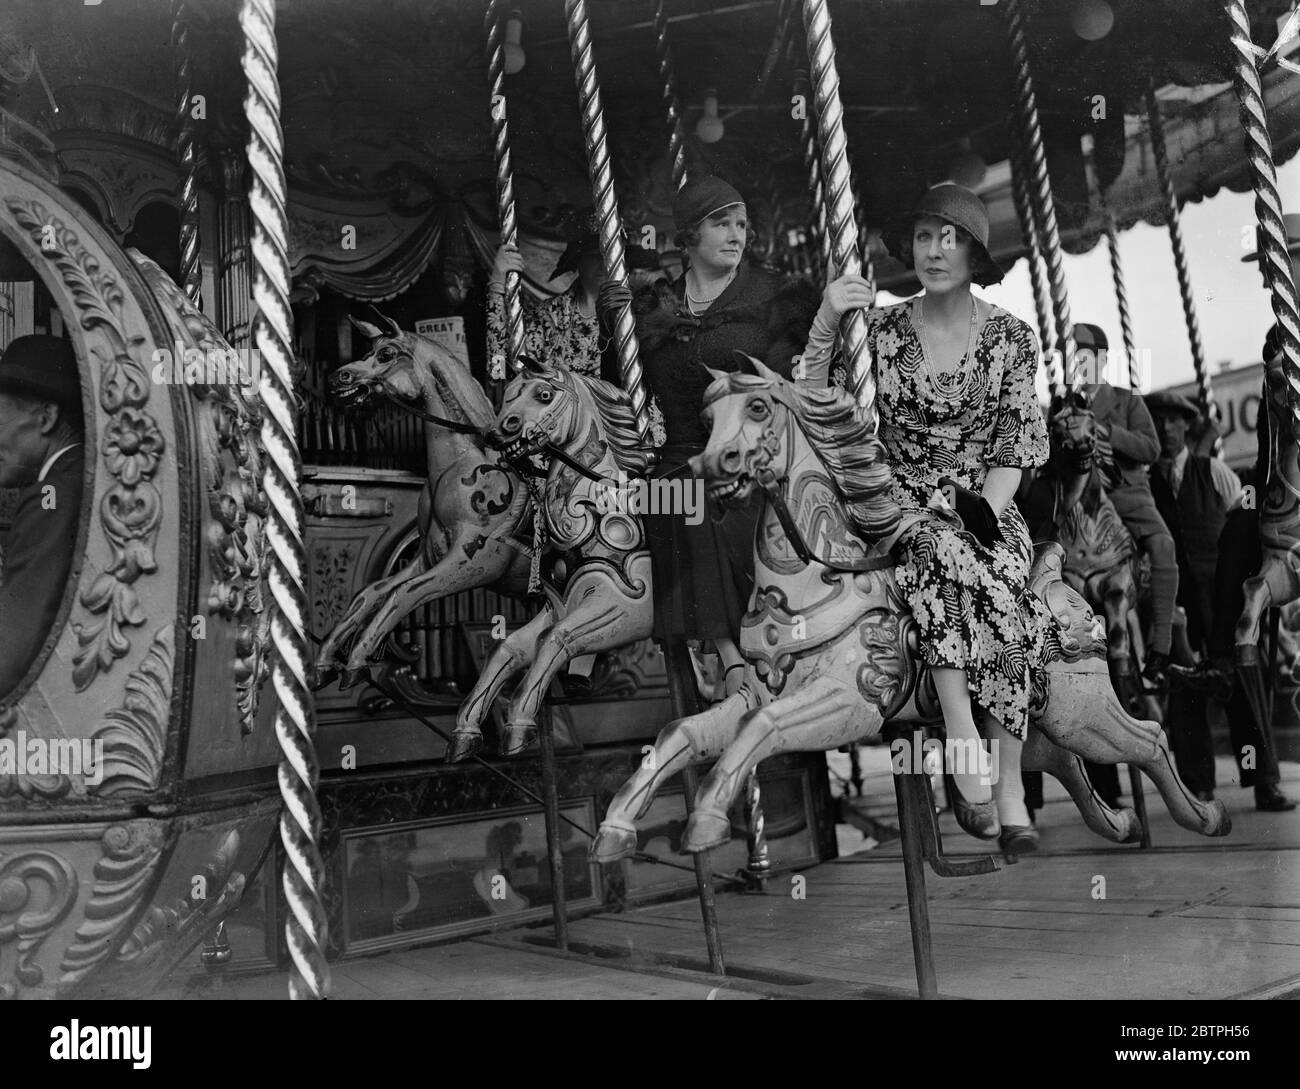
[1218, 821]
[613, 842]
[464, 744]
[978, 819]
[517, 737]
[351, 677]
[324, 675]
[705, 830]
[1131, 831]
[1015, 839]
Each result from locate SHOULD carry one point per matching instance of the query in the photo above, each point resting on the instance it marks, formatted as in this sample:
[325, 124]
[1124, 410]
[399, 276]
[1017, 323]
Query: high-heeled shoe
[1018, 840]
[978, 819]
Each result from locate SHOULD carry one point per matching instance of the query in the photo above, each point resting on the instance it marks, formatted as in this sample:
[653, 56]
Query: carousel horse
[830, 645]
[1100, 554]
[598, 589]
[475, 514]
[1278, 581]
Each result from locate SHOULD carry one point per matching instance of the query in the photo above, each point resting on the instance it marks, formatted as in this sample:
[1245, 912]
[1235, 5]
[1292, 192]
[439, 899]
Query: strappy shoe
[978, 819]
[1018, 840]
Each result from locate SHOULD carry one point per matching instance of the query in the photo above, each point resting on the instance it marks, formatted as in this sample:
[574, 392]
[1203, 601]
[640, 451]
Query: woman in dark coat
[720, 306]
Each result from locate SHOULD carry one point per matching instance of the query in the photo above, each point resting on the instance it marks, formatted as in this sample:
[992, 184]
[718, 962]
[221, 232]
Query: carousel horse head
[758, 419]
[548, 407]
[410, 369]
[1073, 431]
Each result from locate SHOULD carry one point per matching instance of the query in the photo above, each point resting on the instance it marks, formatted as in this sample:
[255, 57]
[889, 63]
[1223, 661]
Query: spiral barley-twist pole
[505, 179]
[602, 188]
[1040, 184]
[1274, 258]
[813, 169]
[1203, 392]
[191, 274]
[672, 103]
[841, 225]
[299, 771]
[1121, 300]
[1020, 193]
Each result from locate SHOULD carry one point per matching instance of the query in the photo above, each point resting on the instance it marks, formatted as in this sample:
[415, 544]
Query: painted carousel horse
[1278, 581]
[830, 646]
[1100, 554]
[475, 513]
[598, 588]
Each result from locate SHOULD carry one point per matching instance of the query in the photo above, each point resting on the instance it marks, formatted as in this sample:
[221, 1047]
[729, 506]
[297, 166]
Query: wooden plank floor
[1192, 918]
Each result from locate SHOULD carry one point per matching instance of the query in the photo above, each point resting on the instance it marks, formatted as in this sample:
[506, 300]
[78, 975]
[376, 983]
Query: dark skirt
[704, 574]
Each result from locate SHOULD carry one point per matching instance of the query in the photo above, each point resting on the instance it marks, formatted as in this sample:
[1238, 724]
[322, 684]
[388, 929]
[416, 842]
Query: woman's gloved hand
[612, 297]
[977, 517]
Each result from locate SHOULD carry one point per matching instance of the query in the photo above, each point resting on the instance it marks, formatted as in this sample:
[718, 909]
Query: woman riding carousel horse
[720, 306]
[960, 423]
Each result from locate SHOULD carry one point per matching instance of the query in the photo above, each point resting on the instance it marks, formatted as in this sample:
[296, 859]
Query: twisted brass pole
[842, 228]
[1121, 299]
[299, 772]
[1040, 185]
[1033, 254]
[1274, 259]
[672, 103]
[1203, 392]
[191, 273]
[495, 26]
[602, 187]
[813, 168]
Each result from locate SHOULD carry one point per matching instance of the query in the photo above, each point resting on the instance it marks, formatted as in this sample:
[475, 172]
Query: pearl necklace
[949, 386]
[692, 302]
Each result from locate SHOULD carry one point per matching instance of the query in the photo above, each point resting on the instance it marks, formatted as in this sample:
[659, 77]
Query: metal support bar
[505, 182]
[551, 808]
[191, 272]
[1034, 255]
[295, 719]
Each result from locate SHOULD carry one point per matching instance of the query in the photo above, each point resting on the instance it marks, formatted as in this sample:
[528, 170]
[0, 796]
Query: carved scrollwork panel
[28, 915]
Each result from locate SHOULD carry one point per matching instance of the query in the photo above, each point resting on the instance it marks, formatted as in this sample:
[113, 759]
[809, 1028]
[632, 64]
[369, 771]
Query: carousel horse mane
[841, 438]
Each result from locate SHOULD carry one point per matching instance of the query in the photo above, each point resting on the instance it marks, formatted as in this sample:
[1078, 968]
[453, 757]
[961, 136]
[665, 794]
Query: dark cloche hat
[962, 208]
[1166, 401]
[41, 366]
[699, 199]
[583, 235]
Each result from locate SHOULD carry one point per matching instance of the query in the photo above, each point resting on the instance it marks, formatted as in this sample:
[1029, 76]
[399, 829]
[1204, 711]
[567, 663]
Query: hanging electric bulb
[515, 57]
[1092, 19]
[709, 128]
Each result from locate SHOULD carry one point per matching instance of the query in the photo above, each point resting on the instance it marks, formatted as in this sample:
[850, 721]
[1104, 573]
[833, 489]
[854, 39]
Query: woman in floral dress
[960, 422]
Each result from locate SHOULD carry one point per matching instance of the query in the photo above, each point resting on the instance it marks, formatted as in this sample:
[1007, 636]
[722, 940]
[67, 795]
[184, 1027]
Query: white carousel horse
[829, 642]
[598, 588]
[475, 513]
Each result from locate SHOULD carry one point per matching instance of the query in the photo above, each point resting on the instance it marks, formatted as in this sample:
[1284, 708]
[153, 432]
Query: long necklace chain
[956, 385]
[693, 302]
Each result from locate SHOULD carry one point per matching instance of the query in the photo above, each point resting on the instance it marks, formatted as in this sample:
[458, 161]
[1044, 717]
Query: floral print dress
[971, 602]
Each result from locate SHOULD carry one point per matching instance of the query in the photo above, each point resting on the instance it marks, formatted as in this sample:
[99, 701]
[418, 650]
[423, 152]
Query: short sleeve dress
[971, 603]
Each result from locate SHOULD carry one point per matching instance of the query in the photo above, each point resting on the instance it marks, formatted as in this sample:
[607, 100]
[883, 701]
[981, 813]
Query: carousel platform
[1190, 918]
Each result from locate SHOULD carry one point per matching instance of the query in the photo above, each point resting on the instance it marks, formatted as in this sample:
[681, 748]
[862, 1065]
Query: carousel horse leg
[1084, 716]
[1277, 582]
[821, 715]
[455, 572]
[508, 660]
[1042, 754]
[333, 655]
[696, 737]
[596, 617]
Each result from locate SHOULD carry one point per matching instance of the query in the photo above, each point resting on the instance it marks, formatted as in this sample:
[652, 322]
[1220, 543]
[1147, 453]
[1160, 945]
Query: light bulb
[710, 128]
[1092, 19]
[515, 57]
[969, 169]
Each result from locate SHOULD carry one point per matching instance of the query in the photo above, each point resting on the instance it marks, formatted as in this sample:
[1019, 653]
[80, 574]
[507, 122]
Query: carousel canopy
[386, 111]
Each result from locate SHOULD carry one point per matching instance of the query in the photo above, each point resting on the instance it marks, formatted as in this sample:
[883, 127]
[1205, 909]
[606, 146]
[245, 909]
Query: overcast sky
[1232, 306]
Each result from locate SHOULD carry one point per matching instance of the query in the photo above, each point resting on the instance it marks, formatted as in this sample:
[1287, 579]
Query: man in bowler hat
[41, 455]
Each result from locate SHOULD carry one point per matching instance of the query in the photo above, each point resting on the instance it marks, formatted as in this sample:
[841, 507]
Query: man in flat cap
[41, 455]
[1193, 493]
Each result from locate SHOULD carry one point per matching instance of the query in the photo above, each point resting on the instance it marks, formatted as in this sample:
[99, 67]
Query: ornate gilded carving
[135, 739]
[21, 920]
[131, 511]
[229, 421]
[131, 853]
[332, 565]
[888, 634]
[28, 787]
